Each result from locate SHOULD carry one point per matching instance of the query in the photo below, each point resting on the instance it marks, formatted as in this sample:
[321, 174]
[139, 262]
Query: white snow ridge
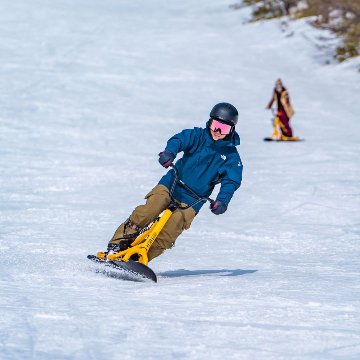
[90, 92]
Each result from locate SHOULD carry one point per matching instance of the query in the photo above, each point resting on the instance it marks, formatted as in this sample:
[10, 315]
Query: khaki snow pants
[157, 200]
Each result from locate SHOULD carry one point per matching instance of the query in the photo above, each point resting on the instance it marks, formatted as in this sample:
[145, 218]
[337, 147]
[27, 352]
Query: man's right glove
[217, 207]
[166, 158]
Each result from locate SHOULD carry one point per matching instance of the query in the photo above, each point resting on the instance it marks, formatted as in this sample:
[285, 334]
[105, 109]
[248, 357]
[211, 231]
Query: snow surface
[90, 92]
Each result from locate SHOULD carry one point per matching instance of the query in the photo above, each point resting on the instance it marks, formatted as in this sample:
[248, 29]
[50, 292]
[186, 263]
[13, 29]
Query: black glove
[166, 158]
[218, 207]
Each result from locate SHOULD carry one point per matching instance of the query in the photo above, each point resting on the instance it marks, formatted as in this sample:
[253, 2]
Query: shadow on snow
[221, 272]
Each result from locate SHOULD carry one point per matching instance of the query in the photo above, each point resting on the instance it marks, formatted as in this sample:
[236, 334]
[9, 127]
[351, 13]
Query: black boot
[121, 246]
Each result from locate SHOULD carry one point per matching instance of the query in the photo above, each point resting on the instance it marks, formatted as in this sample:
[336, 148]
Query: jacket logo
[223, 157]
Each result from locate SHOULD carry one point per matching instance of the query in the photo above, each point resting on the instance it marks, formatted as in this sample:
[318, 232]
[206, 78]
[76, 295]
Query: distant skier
[284, 109]
[209, 157]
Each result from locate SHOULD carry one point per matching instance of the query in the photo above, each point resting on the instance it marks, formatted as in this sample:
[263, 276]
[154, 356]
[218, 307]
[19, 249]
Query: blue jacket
[204, 164]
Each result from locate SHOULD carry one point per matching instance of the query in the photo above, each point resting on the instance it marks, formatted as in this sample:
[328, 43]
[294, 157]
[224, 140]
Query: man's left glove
[166, 158]
[218, 207]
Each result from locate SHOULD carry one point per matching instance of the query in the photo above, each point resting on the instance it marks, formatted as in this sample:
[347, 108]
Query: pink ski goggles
[224, 129]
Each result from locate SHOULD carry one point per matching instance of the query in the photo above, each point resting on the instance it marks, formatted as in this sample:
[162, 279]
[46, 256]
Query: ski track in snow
[90, 93]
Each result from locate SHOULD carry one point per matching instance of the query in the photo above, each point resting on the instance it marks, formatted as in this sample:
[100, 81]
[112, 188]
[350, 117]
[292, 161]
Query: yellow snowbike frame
[141, 245]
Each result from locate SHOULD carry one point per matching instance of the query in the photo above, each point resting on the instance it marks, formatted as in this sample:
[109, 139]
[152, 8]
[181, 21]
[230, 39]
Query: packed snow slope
[90, 92]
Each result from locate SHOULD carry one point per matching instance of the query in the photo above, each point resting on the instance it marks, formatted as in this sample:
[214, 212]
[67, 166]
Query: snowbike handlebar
[178, 180]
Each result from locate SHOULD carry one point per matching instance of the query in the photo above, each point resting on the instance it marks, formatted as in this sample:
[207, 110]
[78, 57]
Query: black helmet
[225, 112]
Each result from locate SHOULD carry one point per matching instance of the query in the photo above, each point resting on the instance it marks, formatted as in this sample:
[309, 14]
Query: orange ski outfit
[285, 110]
